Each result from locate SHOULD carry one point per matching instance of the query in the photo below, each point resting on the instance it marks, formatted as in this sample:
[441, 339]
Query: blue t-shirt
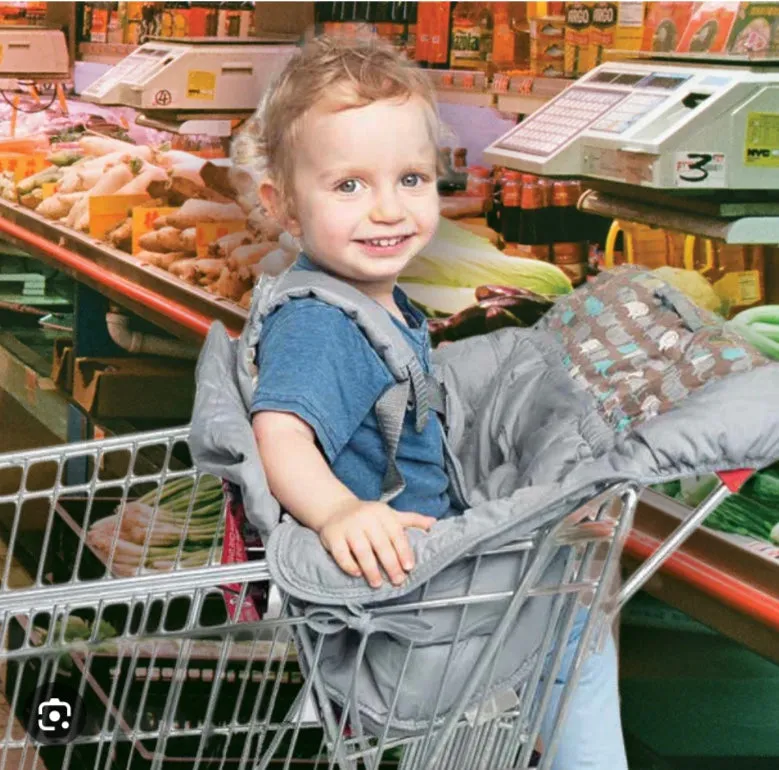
[315, 362]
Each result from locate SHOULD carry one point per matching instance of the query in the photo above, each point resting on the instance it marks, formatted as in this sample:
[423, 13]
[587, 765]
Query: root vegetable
[209, 268]
[158, 259]
[162, 240]
[33, 199]
[188, 237]
[141, 182]
[229, 285]
[225, 246]
[102, 146]
[184, 269]
[56, 207]
[194, 211]
[244, 256]
[121, 236]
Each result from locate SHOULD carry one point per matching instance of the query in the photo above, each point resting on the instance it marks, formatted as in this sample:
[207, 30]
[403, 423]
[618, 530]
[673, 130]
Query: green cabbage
[693, 285]
[439, 300]
[459, 258]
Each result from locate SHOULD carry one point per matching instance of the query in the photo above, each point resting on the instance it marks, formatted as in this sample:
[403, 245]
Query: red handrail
[726, 588]
[182, 315]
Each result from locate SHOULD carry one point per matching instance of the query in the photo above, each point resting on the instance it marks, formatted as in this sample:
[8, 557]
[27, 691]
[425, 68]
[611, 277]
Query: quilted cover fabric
[623, 380]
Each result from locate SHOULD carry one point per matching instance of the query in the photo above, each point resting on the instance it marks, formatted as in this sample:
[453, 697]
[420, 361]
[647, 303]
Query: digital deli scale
[193, 86]
[32, 53]
[684, 136]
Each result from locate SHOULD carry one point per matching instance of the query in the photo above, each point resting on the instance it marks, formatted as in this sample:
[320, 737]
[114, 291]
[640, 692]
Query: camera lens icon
[54, 714]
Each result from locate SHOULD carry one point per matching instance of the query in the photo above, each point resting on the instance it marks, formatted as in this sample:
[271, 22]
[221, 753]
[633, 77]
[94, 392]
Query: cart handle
[730, 482]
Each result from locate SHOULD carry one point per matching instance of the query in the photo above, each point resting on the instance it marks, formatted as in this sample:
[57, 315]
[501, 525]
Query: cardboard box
[615, 27]
[664, 25]
[135, 387]
[62, 364]
[709, 28]
[578, 20]
[756, 28]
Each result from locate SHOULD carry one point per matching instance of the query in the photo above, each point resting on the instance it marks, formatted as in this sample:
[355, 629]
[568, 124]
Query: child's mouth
[385, 245]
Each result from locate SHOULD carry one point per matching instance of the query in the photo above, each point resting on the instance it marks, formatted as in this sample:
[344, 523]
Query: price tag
[208, 232]
[144, 219]
[48, 189]
[21, 165]
[107, 211]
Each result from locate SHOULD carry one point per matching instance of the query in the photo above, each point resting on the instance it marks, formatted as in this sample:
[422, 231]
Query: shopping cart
[141, 630]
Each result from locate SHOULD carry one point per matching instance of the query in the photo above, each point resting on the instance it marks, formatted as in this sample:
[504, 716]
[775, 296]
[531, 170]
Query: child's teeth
[384, 242]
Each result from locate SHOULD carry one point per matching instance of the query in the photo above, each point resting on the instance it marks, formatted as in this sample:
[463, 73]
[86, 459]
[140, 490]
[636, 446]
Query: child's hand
[361, 535]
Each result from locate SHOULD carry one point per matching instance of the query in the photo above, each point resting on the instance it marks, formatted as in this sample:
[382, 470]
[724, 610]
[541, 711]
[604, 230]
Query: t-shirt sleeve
[315, 363]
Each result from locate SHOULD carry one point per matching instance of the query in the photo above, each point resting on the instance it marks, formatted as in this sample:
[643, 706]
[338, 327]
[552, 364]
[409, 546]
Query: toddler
[348, 137]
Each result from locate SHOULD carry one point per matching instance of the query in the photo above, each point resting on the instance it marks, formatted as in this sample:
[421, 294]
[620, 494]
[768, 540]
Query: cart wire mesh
[121, 647]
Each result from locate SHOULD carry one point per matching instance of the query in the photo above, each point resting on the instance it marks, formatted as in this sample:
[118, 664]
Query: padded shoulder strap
[412, 385]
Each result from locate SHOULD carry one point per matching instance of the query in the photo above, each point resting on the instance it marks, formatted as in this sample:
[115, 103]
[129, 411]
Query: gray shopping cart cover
[623, 380]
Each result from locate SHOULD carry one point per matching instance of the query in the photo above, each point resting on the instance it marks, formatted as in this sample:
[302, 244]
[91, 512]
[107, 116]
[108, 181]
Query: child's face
[364, 189]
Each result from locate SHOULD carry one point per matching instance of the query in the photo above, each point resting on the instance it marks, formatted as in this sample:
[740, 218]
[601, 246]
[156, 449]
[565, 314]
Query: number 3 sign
[700, 169]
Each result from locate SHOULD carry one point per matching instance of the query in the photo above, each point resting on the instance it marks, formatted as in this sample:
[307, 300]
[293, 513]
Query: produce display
[173, 527]
[200, 193]
[760, 325]
[753, 512]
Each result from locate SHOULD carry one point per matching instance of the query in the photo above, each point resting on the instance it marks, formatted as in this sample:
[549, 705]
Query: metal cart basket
[140, 628]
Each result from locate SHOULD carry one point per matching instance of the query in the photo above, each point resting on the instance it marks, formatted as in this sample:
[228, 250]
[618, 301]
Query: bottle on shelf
[511, 207]
[569, 244]
[480, 185]
[533, 238]
[494, 214]
[460, 157]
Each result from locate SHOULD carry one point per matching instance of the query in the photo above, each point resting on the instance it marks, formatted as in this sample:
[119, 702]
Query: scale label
[700, 169]
[201, 84]
[761, 148]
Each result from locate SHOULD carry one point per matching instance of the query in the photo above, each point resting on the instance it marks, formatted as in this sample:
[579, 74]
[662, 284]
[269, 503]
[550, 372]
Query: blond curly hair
[350, 72]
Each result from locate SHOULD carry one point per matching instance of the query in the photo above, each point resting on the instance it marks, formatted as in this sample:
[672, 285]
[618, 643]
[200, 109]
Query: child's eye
[348, 186]
[412, 180]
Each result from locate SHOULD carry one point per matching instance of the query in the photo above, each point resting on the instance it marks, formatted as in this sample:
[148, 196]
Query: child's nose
[387, 207]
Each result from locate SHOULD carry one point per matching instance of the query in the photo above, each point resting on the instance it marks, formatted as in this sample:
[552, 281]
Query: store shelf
[712, 577]
[151, 293]
[466, 97]
[670, 214]
[21, 379]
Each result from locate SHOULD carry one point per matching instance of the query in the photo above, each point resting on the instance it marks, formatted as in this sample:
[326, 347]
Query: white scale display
[663, 125]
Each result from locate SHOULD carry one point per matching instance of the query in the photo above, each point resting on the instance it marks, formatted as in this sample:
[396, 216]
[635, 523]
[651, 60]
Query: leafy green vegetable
[457, 257]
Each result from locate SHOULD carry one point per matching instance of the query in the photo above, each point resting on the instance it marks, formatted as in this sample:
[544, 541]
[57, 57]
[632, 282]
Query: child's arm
[355, 532]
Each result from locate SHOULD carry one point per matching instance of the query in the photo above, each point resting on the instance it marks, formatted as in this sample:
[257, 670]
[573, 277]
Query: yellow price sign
[107, 211]
[21, 165]
[144, 219]
[48, 189]
[208, 232]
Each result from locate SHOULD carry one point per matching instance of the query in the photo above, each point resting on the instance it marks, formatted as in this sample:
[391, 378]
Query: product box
[510, 45]
[756, 28]
[664, 25]
[547, 46]
[578, 21]
[134, 387]
[617, 27]
[709, 28]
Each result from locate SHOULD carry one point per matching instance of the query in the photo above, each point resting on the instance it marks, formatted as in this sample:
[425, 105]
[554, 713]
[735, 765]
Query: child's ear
[272, 202]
